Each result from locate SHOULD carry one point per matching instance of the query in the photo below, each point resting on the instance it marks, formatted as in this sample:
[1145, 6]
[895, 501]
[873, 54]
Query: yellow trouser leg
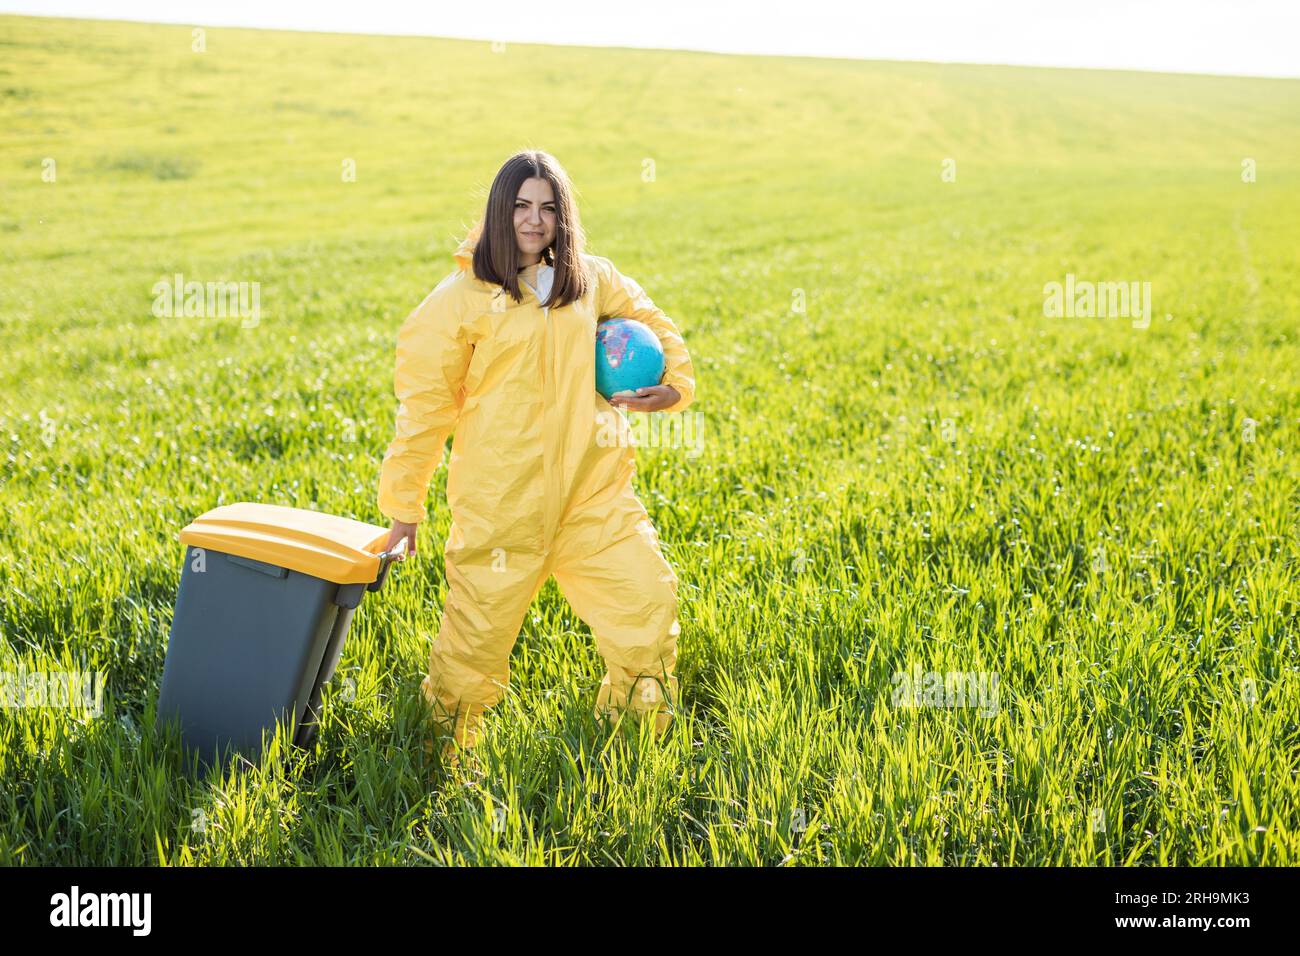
[490, 590]
[627, 593]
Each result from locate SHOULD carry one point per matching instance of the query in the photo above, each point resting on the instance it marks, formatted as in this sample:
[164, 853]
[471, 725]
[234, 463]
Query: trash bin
[265, 600]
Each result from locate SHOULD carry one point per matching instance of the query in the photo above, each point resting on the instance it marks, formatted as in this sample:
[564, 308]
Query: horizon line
[650, 49]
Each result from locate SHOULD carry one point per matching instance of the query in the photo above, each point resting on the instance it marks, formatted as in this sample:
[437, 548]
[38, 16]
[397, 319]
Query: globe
[628, 356]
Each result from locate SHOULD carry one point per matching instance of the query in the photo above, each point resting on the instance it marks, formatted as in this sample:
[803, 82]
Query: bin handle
[386, 560]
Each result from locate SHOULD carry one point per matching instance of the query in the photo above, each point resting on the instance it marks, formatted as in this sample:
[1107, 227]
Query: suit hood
[464, 254]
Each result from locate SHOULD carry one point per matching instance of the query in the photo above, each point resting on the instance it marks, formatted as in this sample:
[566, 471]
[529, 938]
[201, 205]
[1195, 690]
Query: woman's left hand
[652, 399]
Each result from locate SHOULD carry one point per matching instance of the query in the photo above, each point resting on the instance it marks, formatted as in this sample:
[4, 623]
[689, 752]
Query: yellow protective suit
[539, 482]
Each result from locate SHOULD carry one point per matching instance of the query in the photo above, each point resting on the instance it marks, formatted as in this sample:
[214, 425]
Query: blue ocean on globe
[628, 356]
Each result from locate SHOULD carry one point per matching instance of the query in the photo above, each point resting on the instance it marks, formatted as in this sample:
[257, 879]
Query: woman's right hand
[402, 530]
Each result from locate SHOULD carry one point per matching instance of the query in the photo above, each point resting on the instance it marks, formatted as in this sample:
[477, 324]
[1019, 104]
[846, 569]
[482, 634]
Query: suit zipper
[551, 467]
[552, 442]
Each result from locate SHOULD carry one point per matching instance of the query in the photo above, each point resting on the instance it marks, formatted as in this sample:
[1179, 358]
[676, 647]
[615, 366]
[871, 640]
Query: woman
[534, 484]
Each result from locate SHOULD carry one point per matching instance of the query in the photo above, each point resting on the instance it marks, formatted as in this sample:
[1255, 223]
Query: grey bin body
[251, 644]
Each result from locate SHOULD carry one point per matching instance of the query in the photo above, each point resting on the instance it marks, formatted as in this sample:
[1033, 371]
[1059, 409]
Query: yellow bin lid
[325, 546]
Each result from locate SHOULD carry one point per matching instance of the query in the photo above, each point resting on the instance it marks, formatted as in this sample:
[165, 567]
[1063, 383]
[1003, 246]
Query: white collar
[545, 276]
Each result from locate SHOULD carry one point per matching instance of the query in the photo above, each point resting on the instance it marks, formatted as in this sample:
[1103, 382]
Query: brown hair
[496, 254]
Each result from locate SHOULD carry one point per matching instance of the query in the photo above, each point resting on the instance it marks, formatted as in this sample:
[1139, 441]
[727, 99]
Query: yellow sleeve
[432, 358]
[622, 296]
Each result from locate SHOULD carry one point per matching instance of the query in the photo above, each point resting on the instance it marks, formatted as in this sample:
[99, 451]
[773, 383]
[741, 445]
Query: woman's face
[534, 218]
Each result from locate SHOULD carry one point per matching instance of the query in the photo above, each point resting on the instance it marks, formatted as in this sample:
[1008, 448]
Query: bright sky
[1247, 37]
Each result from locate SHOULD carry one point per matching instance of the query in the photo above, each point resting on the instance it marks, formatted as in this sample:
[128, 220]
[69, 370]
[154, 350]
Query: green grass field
[918, 471]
